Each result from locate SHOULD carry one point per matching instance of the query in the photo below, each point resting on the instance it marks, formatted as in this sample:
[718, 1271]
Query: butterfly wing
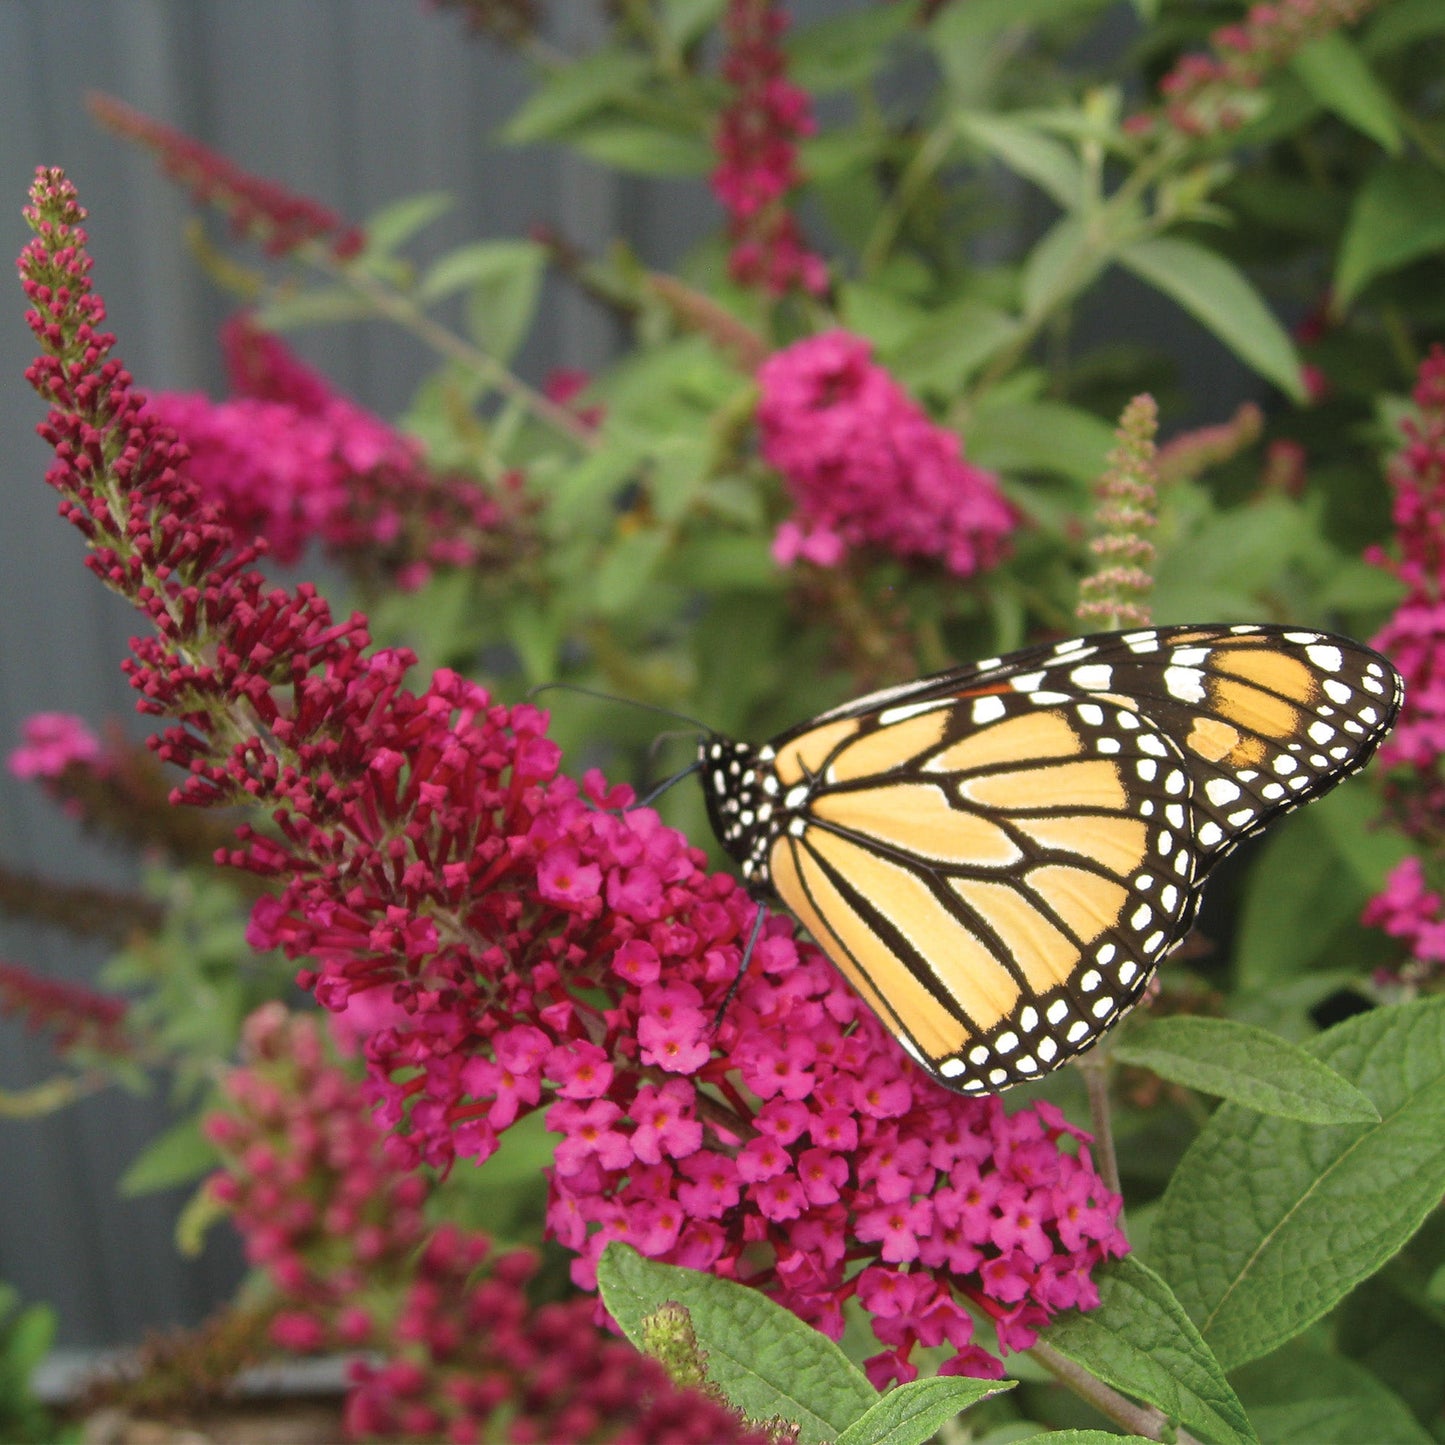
[998, 857]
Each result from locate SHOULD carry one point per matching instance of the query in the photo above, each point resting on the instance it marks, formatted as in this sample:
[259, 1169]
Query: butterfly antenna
[625, 701]
[736, 984]
[667, 783]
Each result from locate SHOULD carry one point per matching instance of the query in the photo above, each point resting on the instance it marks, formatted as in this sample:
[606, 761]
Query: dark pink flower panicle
[756, 142]
[53, 741]
[291, 461]
[279, 220]
[501, 940]
[1209, 94]
[1414, 638]
[452, 1346]
[866, 467]
[75, 1018]
[1408, 909]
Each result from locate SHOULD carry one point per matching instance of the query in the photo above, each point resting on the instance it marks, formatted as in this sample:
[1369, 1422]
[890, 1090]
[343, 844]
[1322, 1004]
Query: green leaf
[178, 1156]
[1219, 296]
[1268, 1223]
[679, 469]
[1252, 1067]
[320, 306]
[1398, 217]
[1338, 76]
[645, 150]
[951, 345]
[912, 1413]
[1028, 152]
[396, 224]
[627, 567]
[535, 634]
[503, 279]
[575, 91]
[763, 1357]
[684, 20]
[1304, 1395]
[477, 263]
[1087, 1437]
[1402, 23]
[840, 53]
[1059, 267]
[1044, 436]
[1141, 1341]
[1299, 897]
[585, 495]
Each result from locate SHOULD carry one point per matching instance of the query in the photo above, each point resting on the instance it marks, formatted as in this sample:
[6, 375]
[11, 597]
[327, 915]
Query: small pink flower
[53, 742]
[866, 467]
[665, 1126]
[562, 877]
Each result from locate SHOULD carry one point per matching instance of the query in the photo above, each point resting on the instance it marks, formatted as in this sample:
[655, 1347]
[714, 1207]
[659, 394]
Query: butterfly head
[739, 807]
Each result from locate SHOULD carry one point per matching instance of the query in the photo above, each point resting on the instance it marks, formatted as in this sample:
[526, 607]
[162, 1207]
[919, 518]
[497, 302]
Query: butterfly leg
[733, 987]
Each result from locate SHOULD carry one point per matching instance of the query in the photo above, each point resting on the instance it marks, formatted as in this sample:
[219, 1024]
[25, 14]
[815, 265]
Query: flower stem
[1094, 1066]
[406, 314]
[1140, 1419]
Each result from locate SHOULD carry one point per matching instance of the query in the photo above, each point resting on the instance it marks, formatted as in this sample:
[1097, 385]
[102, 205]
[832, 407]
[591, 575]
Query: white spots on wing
[1185, 683]
[987, 710]
[1221, 791]
[1093, 677]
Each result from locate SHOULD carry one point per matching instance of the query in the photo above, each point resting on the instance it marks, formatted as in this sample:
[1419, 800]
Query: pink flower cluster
[518, 945]
[452, 1348]
[758, 156]
[867, 467]
[280, 220]
[291, 461]
[1414, 638]
[53, 741]
[1206, 94]
[1415, 914]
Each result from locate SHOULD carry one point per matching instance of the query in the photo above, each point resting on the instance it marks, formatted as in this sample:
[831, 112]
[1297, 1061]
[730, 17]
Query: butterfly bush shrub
[838, 450]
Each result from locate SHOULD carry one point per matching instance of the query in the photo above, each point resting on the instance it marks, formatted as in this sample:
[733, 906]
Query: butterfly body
[997, 857]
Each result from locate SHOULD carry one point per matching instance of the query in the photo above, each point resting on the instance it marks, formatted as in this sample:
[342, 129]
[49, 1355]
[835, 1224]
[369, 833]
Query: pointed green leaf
[1028, 152]
[1398, 217]
[942, 352]
[627, 567]
[316, 306]
[1252, 1067]
[684, 20]
[1059, 267]
[1140, 1341]
[763, 1357]
[1219, 296]
[502, 293]
[843, 51]
[1039, 436]
[178, 1156]
[1338, 76]
[645, 150]
[575, 91]
[1087, 1437]
[477, 263]
[1268, 1223]
[912, 1413]
[1299, 897]
[1402, 23]
[1304, 1395]
[396, 224]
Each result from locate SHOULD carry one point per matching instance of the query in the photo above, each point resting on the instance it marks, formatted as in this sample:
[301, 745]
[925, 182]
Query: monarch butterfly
[997, 857]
